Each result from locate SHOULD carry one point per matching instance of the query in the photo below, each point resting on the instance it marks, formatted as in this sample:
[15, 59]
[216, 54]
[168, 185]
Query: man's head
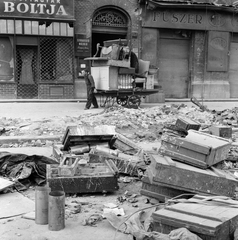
[85, 71]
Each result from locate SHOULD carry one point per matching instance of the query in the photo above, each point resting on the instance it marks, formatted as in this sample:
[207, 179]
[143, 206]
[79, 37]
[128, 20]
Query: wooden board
[192, 179]
[209, 221]
[15, 204]
[86, 184]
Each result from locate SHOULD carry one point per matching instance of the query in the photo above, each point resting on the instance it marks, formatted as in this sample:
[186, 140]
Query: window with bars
[56, 59]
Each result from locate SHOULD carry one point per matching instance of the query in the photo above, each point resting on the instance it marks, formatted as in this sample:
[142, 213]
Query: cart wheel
[133, 100]
[122, 100]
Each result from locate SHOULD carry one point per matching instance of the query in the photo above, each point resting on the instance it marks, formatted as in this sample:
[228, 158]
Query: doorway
[109, 23]
[174, 63]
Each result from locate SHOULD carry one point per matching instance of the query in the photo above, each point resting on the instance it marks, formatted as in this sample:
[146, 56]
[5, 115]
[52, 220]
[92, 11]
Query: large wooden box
[181, 176]
[211, 220]
[90, 178]
[197, 148]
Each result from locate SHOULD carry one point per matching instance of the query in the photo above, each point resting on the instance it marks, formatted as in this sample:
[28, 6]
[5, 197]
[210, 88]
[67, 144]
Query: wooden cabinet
[105, 77]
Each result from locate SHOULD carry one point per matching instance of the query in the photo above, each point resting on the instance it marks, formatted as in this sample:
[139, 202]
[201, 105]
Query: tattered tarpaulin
[21, 166]
[139, 226]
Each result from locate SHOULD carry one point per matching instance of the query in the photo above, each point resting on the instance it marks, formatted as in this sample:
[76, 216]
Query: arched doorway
[109, 24]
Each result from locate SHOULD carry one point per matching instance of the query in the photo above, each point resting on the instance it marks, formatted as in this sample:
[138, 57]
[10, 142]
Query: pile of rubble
[193, 171]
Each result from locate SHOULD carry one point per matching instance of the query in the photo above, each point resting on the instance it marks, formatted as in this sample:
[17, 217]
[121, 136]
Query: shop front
[195, 47]
[36, 49]
[98, 23]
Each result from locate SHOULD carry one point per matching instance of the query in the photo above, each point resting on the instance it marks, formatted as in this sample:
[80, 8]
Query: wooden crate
[221, 131]
[215, 220]
[90, 178]
[187, 178]
[186, 124]
[199, 149]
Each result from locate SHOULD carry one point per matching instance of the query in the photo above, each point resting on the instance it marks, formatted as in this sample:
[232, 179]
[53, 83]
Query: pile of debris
[188, 166]
[91, 159]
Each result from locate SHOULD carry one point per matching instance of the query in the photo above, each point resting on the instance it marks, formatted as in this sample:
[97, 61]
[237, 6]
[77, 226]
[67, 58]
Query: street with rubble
[35, 128]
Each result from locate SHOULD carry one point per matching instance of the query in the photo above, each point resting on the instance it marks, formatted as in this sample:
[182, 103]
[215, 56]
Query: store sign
[190, 19]
[82, 45]
[44, 9]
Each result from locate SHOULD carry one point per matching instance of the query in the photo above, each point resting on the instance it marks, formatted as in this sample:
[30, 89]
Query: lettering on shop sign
[62, 9]
[184, 18]
[190, 19]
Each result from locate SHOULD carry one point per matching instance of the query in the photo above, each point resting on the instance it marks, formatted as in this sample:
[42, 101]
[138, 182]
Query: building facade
[99, 21]
[36, 49]
[195, 46]
[43, 43]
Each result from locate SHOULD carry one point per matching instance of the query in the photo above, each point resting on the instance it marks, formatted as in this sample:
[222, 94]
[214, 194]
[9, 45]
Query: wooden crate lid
[206, 139]
[158, 160]
[77, 134]
[198, 217]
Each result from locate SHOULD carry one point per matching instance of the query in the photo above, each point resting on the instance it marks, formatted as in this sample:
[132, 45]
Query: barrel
[56, 213]
[41, 204]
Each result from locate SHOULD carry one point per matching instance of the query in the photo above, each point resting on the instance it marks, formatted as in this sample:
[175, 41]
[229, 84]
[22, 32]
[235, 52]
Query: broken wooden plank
[127, 164]
[123, 144]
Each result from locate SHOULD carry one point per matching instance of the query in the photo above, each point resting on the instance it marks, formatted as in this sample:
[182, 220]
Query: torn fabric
[20, 166]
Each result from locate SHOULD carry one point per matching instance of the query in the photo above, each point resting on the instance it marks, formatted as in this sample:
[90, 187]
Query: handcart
[120, 77]
[124, 97]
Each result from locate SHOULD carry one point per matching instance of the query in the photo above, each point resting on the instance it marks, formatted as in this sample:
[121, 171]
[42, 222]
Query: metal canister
[106, 150]
[56, 213]
[79, 149]
[41, 204]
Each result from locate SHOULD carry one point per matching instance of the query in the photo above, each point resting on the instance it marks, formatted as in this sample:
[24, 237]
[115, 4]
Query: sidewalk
[39, 110]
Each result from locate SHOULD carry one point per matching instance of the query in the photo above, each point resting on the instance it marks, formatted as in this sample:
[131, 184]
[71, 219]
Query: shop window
[6, 59]
[56, 60]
